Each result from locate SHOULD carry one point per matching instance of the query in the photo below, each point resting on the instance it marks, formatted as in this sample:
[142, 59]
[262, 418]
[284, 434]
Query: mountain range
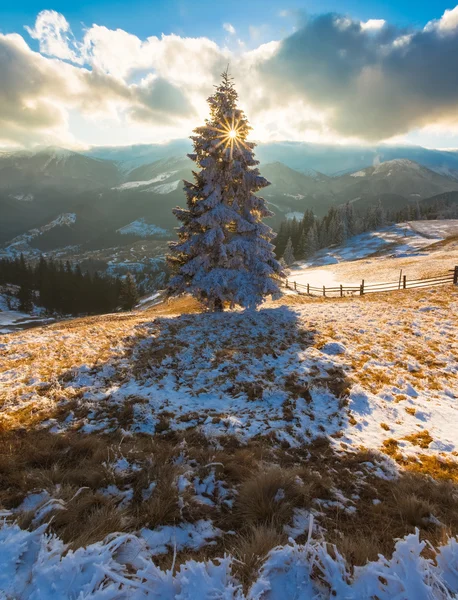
[107, 197]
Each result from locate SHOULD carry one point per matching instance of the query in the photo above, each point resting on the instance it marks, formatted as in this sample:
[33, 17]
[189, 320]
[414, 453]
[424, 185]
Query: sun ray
[222, 141]
[229, 134]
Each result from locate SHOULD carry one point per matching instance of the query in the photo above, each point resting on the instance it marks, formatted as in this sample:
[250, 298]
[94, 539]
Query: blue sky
[111, 72]
[205, 17]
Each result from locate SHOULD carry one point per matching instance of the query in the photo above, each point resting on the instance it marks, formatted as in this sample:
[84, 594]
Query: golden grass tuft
[422, 439]
[251, 548]
[268, 498]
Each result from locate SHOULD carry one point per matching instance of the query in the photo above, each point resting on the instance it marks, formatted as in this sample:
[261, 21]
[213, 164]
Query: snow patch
[164, 188]
[142, 229]
[130, 185]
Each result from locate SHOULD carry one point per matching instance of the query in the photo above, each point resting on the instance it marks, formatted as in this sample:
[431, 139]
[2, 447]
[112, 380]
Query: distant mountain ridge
[108, 189]
[305, 157]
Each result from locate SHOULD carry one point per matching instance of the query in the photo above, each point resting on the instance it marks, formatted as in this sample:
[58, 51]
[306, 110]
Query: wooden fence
[371, 288]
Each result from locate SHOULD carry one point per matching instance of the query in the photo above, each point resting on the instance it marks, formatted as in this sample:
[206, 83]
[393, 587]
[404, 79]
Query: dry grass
[268, 483]
[55, 352]
[268, 498]
[421, 439]
[251, 548]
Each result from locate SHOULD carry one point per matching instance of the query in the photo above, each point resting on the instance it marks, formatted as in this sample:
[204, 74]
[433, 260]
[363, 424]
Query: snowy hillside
[21, 242]
[142, 229]
[136, 184]
[436, 229]
[419, 248]
[246, 455]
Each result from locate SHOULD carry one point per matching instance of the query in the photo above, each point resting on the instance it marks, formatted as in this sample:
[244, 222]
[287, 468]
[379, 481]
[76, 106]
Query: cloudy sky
[102, 72]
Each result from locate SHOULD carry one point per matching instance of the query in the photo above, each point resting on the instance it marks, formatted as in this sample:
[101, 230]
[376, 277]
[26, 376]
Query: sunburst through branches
[231, 134]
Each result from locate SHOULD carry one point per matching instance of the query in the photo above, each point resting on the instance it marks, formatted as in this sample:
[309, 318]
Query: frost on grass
[240, 373]
[36, 566]
[186, 432]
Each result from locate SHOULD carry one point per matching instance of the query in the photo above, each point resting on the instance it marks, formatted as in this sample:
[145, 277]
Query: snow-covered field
[419, 248]
[445, 229]
[390, 356]
[13, 320]
[229, 448]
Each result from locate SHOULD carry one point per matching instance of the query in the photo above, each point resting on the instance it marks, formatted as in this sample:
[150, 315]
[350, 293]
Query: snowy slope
[142, 229]
[21, 242]
[379, 256]
[436, 229]
[378, 374]
[401, 177]
[137, 184]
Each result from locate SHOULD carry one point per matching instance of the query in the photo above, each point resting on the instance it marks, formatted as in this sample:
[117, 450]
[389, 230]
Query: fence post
[324, 291]
[341, 290]
[404, 281]
[361, 288]
[455, 276]
[295, 286]
[308, 289]
[286, 283]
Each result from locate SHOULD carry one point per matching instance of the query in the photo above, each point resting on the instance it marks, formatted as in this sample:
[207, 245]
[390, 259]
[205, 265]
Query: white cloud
[38, 93]
[229, 28]
[372, 24]
[54, 36]
[448, 23]
[116, 51]
[371, 81]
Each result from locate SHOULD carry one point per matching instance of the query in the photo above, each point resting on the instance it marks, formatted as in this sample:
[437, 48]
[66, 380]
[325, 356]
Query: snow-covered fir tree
[288, 255]
[224, 251]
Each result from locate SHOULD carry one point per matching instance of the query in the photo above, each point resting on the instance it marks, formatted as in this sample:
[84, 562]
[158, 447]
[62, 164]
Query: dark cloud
[160, 99]
[374, 83]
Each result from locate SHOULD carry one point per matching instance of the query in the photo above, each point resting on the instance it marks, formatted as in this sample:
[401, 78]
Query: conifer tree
[302, 246]
[25, 297]
[224, 251]
[288, 255]
[129, 293]
[312, 240]
[350, 219]
[281, 239]
[341, 228]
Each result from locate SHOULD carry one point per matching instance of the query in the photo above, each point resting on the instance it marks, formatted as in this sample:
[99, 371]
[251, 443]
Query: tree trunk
[218, 305]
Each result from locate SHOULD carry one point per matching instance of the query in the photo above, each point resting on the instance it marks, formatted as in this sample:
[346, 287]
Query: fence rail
[372, 288]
